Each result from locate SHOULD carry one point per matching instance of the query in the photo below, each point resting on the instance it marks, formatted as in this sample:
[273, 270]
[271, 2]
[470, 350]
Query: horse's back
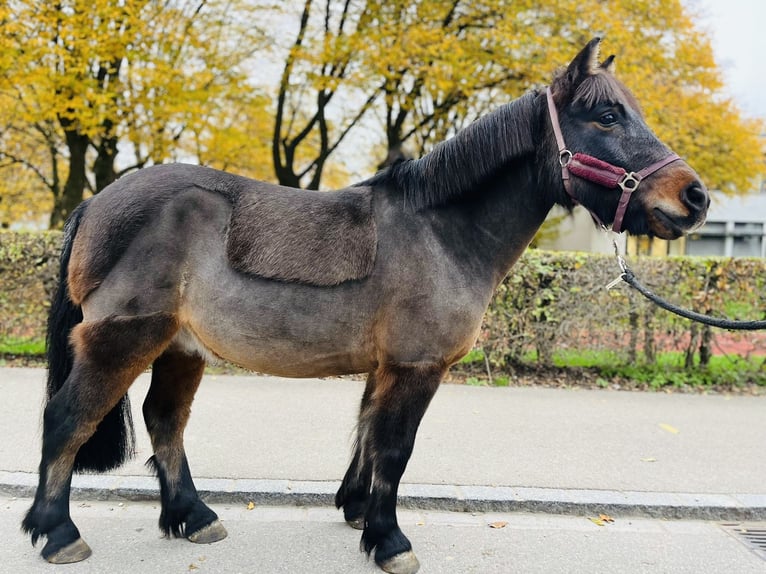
[272, 231]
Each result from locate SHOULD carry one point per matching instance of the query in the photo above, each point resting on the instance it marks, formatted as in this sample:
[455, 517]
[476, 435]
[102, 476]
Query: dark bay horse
[177, 264]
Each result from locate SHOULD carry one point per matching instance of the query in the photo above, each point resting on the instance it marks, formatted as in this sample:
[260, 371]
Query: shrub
[28, 275]
[553, 303]
[551, 310]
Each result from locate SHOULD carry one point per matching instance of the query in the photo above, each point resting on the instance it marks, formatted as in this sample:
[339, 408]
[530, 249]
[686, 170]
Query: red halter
[598, 171]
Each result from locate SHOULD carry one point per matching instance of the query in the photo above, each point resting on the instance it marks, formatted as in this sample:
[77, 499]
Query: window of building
[747, 240]
[730, 239]
[708, 240]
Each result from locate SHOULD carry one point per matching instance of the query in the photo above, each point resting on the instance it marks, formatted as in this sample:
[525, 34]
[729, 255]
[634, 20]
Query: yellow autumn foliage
[82, 82]
[182, 80]
[468, 56]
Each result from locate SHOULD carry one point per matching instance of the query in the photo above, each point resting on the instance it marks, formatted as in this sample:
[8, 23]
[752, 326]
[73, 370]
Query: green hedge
[552, 307]
[555, 305]
[28, 275]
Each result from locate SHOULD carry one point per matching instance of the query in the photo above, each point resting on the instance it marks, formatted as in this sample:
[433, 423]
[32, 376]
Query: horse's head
[611, 162]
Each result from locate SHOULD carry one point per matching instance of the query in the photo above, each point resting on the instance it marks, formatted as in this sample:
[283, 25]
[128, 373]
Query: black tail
[114, 440]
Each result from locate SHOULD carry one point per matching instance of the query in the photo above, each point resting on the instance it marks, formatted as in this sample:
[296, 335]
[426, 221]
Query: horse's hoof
[213, 532]
[404, 563]
[74, 552]
[356, 523]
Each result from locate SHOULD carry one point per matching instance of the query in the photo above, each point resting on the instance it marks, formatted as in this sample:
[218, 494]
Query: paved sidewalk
[280, 441]
[290, 539]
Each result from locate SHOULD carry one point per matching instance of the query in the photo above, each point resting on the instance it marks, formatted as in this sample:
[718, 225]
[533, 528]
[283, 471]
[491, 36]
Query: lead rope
[629, 277]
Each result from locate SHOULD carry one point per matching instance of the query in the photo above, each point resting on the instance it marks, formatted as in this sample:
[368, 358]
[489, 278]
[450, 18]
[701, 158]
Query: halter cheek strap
[598, 171]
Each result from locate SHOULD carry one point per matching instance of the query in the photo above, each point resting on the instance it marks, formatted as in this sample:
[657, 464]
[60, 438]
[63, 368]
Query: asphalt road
[648, 456]
[302, 429]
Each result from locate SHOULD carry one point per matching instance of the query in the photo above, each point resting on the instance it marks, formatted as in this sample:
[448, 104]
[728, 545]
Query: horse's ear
[609, 64]
[585, 63]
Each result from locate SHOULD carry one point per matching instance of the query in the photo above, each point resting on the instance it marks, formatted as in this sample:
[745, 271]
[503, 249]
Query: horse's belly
[287, 358]
[280, 328]
[304, 364]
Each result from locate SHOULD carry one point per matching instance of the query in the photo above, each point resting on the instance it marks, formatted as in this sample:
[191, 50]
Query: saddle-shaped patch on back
[312, 237]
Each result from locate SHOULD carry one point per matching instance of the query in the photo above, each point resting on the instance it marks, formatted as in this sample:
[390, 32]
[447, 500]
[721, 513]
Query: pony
[175, 265]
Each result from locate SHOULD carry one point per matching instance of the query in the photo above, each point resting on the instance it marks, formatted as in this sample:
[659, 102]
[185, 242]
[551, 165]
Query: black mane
[458, 165]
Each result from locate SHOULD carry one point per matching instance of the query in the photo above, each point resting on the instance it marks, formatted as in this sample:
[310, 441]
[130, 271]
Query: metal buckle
[565, 156]
[630, 182]
[623, 266]
[620, 259]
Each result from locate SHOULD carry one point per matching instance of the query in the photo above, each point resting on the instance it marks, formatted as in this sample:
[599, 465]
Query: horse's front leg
[175, 378]
[398, 401]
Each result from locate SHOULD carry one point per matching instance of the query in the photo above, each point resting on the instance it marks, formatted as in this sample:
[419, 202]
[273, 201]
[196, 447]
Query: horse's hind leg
[354, 491]
[108, 355]
[397, 403]
[175, 378]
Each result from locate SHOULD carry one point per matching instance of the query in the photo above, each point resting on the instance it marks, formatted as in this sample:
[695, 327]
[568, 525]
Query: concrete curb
[456, 498]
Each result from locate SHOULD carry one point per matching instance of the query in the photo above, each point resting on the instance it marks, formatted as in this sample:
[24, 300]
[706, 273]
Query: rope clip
[623, 267]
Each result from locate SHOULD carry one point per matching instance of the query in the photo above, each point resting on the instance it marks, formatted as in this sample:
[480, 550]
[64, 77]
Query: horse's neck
[499, 222]
[497, 216]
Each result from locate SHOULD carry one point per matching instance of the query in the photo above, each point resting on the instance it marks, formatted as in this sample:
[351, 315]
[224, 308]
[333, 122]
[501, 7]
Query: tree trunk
[706, 343]
[103, 166]
[286, 175]
[691, 347]
[650, 353]
[395, 154]
[71, 195]
[633, 335]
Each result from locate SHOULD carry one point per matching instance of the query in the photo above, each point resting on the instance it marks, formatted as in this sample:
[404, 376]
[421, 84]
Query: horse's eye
[607, 119]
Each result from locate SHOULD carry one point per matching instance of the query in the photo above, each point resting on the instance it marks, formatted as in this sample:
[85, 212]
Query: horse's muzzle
[697, 200]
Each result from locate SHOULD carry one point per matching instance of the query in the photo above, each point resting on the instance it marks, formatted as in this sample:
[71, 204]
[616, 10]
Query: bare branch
[16, 160]
[316, 164]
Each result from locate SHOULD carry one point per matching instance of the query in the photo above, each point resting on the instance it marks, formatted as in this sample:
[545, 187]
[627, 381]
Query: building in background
[735, 227]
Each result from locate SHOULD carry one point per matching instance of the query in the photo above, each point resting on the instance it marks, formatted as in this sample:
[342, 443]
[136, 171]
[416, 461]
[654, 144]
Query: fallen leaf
[420, 523]
[670, 429]
[250, 505]
[606, 518]
[498, 524]
[193, 567]
[597, 521]
[649, 459]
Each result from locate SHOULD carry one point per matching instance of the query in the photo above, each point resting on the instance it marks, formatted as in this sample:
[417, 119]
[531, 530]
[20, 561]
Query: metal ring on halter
[630, 181]
[565, 156]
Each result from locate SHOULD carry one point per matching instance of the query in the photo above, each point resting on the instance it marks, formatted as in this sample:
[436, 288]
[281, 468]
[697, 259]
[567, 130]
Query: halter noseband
[598, 171]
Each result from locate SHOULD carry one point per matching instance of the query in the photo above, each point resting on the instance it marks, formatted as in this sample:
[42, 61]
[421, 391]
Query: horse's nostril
[696, 197]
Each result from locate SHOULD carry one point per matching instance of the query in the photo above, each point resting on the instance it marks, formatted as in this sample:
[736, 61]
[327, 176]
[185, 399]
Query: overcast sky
[738, 30]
